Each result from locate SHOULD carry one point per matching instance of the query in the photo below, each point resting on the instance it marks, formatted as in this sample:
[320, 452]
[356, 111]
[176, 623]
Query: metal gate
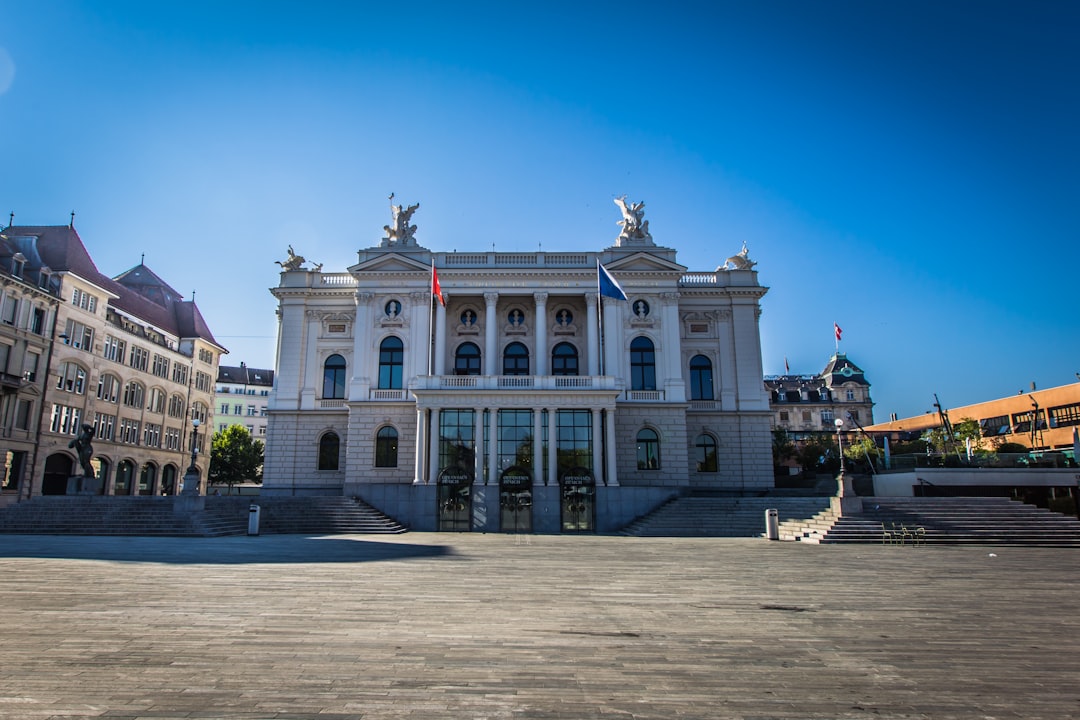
[455, 500]
[578, 506]
[515, 500]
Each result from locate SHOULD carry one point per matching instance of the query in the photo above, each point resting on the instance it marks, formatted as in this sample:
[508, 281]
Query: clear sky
[908, 170]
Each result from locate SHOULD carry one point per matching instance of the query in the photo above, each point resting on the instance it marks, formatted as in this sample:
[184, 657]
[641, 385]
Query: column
[312, 367]
[592, 332]
[493, 446]
[612, 338]
[362, 354]
[538, 448]
[421, 446]
[440, 337]
[609, 449]
[490, 326]
[673, 383]
[541, 363]
[478, 454]
[419, 335]
[553, 470]
[597, 446]
[433, 444]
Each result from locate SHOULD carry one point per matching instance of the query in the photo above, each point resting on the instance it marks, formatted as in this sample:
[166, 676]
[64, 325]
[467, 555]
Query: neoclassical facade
[522, 401]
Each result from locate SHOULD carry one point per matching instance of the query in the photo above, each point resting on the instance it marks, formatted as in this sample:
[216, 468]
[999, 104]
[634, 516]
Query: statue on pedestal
[634, 226]
[84, 449]
[401, 232]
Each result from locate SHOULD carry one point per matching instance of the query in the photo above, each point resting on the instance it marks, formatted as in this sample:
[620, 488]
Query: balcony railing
[514, 382]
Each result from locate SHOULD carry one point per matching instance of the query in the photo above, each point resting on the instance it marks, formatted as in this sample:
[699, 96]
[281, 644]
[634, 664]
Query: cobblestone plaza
[470, 625]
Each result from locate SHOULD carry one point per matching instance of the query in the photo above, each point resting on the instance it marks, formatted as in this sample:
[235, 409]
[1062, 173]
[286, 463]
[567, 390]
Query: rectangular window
[23, 413]
[172, 439]
[239, 409]
[11, 310]
[992, 427]
[251, 411]
[65, 420]
[78, 335]
[37, 321]
[224, 408]
[114, 349]
[129, 431]
[30, 366]
[784, 418]
[5, 355]
[105, 427]
[152, 435]
[515, 440]
[140, 358]
[457, 440]
[203, 382]
[827, 417]
[179, 373]
[573, 440]
[1065, 416]
[161, 366]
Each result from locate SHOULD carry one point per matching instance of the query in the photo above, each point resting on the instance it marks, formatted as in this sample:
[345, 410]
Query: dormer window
[43, 277]
[18, 264]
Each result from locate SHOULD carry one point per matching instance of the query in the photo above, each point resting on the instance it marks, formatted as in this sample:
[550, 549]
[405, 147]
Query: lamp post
[191, 477]
[846, 501]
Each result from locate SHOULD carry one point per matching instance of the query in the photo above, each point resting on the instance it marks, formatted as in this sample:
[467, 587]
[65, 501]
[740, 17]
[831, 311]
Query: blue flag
[606, 285]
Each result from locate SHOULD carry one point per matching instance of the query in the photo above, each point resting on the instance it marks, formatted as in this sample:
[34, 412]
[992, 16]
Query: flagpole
[431, 316]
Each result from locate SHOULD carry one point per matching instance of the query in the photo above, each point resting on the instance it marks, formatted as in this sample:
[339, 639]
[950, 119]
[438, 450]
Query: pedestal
[82, 485]
[845, 502]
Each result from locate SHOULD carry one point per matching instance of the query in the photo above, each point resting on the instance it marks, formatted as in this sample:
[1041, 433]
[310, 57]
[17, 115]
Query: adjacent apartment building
[808, 406]
[241, 397]
[126, 355]
[505, 392]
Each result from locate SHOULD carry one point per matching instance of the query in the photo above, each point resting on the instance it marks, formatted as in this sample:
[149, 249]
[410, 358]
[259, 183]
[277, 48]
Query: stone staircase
[705, 516]
[940, 521]
[153, 516]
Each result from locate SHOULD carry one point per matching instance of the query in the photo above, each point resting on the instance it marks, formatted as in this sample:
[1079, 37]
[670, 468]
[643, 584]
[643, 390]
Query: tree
[235, 457]
[782, 447]
[861, 451]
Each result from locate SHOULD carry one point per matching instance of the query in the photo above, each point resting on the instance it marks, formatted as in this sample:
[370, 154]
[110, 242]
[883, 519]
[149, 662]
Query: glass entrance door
[578, 506]
[515, 500]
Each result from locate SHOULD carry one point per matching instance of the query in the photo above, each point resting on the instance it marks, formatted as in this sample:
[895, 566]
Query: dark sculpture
[84, 449]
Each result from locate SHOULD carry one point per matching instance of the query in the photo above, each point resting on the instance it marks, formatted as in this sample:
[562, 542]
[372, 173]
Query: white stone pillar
[440, 337]
[612, 338]
[609, 449]
[597, 445]
[419, 335]
[538, 448]
[362, 356]
[433, 444]
[421, 446]
[478, 453]
[493, 447]
[673, 383]
[541, 364]
[553, 470]
[490, 327]
[313, 375]
[592, 333]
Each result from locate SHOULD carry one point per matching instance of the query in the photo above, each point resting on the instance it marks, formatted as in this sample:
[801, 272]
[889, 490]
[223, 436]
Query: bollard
[253, 519]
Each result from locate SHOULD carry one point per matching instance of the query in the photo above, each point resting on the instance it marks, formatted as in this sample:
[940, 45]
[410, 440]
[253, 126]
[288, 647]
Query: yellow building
[1040, 420]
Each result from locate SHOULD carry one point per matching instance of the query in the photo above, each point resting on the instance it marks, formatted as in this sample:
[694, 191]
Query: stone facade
[525, 401]
[125, 355]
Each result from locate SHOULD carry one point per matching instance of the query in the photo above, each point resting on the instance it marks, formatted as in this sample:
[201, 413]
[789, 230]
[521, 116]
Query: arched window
[134, 393]
[156, 402]
[108, 388]
[333, 384]
[467, 359]
[648, 449]
[391, 357]
[176, 406]
[71, 378]
[516, 359]
[386, 444]
[564, 359]
[642, 364]
[701, 378]
[329, 448]
[705, 453]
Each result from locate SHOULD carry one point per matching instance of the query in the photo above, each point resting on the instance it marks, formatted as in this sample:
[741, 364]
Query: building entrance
[455, 499]
[578, 506]
[515, 500]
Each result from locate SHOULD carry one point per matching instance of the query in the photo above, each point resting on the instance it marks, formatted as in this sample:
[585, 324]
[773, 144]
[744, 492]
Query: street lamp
[839, 442]
[844, 489]
[191, 477]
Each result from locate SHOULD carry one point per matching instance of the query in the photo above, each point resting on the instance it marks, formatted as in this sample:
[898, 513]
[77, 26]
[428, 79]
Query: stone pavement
[494, 626]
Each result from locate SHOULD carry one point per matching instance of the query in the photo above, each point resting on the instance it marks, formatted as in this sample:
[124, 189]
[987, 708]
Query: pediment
[391, 262]
[644, 262]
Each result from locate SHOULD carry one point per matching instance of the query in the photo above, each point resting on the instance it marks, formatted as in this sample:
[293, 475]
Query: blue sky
[908, 170]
